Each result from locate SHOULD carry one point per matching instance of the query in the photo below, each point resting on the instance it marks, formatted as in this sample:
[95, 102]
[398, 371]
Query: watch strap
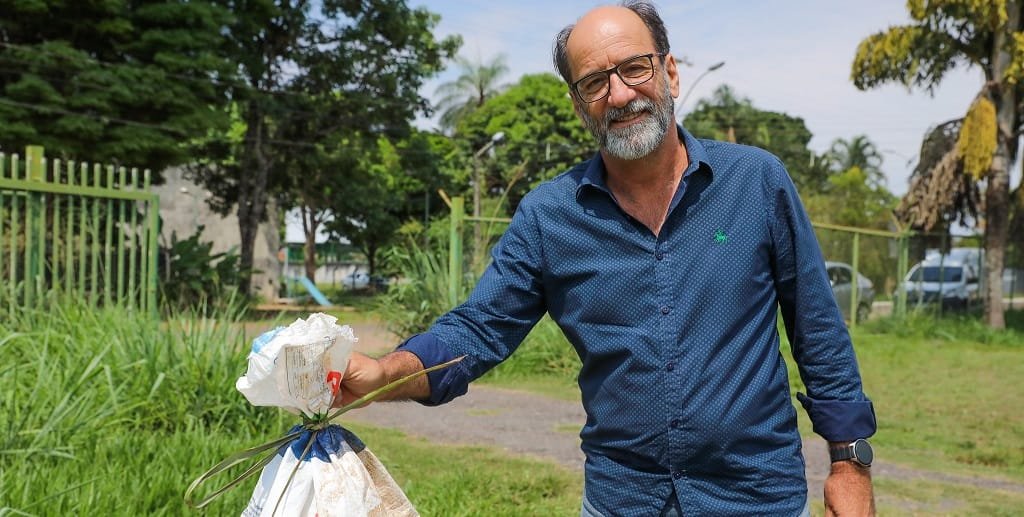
[841, 453]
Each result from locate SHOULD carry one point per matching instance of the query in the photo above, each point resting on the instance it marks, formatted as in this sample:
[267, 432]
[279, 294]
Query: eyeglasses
[634, 71]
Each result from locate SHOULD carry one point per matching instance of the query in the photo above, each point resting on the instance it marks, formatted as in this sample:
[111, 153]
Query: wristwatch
[858, 451]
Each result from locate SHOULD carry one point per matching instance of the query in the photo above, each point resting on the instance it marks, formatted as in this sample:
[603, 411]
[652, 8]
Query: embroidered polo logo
[720, 237]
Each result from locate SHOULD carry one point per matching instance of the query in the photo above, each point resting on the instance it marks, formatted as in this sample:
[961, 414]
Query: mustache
[634, 106]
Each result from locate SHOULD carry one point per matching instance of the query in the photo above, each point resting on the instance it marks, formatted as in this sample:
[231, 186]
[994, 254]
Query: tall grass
[412, 304]
[83, 386]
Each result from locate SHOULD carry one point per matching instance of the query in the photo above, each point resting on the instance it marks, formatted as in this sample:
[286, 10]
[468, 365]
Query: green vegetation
[108, 413]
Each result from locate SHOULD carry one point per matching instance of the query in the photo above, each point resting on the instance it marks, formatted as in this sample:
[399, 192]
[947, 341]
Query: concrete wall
[183, 209]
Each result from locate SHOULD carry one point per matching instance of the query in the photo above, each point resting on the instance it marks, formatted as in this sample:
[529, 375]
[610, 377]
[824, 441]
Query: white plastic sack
[289, 366]
[339, 477]
[298, 368]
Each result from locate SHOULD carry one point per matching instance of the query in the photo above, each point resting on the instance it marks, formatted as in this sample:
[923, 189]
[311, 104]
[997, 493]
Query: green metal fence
[77, 229]
[849, 248]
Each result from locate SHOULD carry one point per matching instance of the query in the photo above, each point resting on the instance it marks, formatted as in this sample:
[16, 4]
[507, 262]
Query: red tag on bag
[334, 380]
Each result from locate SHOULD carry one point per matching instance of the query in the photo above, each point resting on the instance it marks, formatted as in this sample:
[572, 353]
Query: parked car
[952, 279]
[361, 280]
[840, 275]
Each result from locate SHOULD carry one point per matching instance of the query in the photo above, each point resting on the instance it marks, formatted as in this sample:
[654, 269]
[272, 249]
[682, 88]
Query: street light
[477, 181]
[712, 68]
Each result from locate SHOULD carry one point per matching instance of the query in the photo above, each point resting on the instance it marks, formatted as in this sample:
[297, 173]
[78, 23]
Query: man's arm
[821, 345]
[365, 374]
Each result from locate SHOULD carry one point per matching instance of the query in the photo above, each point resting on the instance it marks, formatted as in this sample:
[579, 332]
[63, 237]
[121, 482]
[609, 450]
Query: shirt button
[677, 474]
[665, 309]
[674, 423]
[659, 255]
[670, 366]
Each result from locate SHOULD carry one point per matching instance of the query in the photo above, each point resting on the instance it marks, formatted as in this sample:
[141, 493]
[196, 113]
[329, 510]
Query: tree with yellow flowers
[945, 34]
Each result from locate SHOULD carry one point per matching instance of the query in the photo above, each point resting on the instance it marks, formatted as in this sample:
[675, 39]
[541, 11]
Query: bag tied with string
[322, 469]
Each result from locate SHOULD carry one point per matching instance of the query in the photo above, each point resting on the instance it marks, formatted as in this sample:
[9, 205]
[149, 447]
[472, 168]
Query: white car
[356, 280]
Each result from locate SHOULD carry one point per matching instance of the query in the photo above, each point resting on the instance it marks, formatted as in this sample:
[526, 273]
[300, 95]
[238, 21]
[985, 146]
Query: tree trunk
[997, 193]
[309, 227]
[252, 193]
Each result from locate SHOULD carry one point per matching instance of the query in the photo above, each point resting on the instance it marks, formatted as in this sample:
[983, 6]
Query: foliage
[119, 82]
[859, 152]
[946, 33]
[313, 74]
[391, 183]
[192, 276]
[413, 303]
[476, 83]
[977, 141]
[726, 116]
[92, 398]
[543, 136]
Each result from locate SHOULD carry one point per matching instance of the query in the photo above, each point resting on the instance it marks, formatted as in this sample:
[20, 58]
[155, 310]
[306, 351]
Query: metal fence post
[35, 231]
[901, 273]
[855, 281]
[455, 250]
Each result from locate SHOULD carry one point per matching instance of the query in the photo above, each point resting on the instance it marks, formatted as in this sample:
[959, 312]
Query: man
[663, 259]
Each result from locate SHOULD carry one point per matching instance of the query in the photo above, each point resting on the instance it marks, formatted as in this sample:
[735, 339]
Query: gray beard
[636, 140]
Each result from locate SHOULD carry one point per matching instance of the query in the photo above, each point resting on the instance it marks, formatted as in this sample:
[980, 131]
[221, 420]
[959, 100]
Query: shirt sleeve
[505, 304]
[838, 408]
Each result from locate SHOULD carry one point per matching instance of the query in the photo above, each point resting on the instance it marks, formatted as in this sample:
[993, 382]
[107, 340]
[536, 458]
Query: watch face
[862, 451]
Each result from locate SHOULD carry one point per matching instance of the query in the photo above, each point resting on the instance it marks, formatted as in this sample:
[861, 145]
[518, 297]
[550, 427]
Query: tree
[314, 74]
[946, 33]
[120, 82]
[543, 135]
[726, 116]
[391, 184]
[476, 83]
[859, 152]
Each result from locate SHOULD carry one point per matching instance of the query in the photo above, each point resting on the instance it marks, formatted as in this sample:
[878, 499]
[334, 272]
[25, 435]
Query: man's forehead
[604, 27]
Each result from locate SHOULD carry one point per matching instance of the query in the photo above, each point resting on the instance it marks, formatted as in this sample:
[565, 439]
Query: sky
[790, 56]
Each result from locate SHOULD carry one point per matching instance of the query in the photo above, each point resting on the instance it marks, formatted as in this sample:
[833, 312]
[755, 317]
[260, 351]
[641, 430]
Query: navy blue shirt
[682, 379]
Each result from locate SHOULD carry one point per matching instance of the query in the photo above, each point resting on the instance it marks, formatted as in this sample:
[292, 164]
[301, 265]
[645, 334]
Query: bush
[191, 275]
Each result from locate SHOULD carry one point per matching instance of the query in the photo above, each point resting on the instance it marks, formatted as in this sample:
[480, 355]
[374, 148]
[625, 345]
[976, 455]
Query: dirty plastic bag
[294, 367]
[325, 470]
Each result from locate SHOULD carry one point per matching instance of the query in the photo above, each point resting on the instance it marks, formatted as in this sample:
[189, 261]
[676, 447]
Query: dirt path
[541, 427]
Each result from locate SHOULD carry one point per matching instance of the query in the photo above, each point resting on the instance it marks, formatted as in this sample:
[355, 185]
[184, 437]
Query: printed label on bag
[305, 372]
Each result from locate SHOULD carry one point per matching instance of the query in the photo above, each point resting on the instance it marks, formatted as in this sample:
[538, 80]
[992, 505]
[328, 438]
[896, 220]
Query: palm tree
[943, 34]
[860, 152]
[477, 83]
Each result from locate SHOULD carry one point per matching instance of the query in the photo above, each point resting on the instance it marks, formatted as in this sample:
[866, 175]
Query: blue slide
[314, 292]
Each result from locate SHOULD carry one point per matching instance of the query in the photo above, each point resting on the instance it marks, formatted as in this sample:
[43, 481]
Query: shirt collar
[594, 176]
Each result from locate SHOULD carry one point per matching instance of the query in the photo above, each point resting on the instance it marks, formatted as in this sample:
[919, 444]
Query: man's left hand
[848, 491]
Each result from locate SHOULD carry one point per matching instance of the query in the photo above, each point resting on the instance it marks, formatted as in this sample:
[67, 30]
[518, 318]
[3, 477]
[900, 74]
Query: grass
[105, 412]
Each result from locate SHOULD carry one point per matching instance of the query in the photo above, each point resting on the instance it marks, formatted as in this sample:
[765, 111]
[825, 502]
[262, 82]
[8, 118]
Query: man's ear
[673, 74]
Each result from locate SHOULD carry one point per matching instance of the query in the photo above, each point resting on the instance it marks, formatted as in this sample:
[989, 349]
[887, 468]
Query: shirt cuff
[840, 420]
[445, 384]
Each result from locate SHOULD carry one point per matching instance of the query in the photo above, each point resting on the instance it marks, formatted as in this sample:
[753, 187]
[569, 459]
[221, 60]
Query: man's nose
[619, 93]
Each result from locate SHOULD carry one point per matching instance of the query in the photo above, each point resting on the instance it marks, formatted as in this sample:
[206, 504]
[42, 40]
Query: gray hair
[645, 10]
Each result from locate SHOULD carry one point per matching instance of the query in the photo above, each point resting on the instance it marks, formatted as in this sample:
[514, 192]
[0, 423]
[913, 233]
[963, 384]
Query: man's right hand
[365, 374]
